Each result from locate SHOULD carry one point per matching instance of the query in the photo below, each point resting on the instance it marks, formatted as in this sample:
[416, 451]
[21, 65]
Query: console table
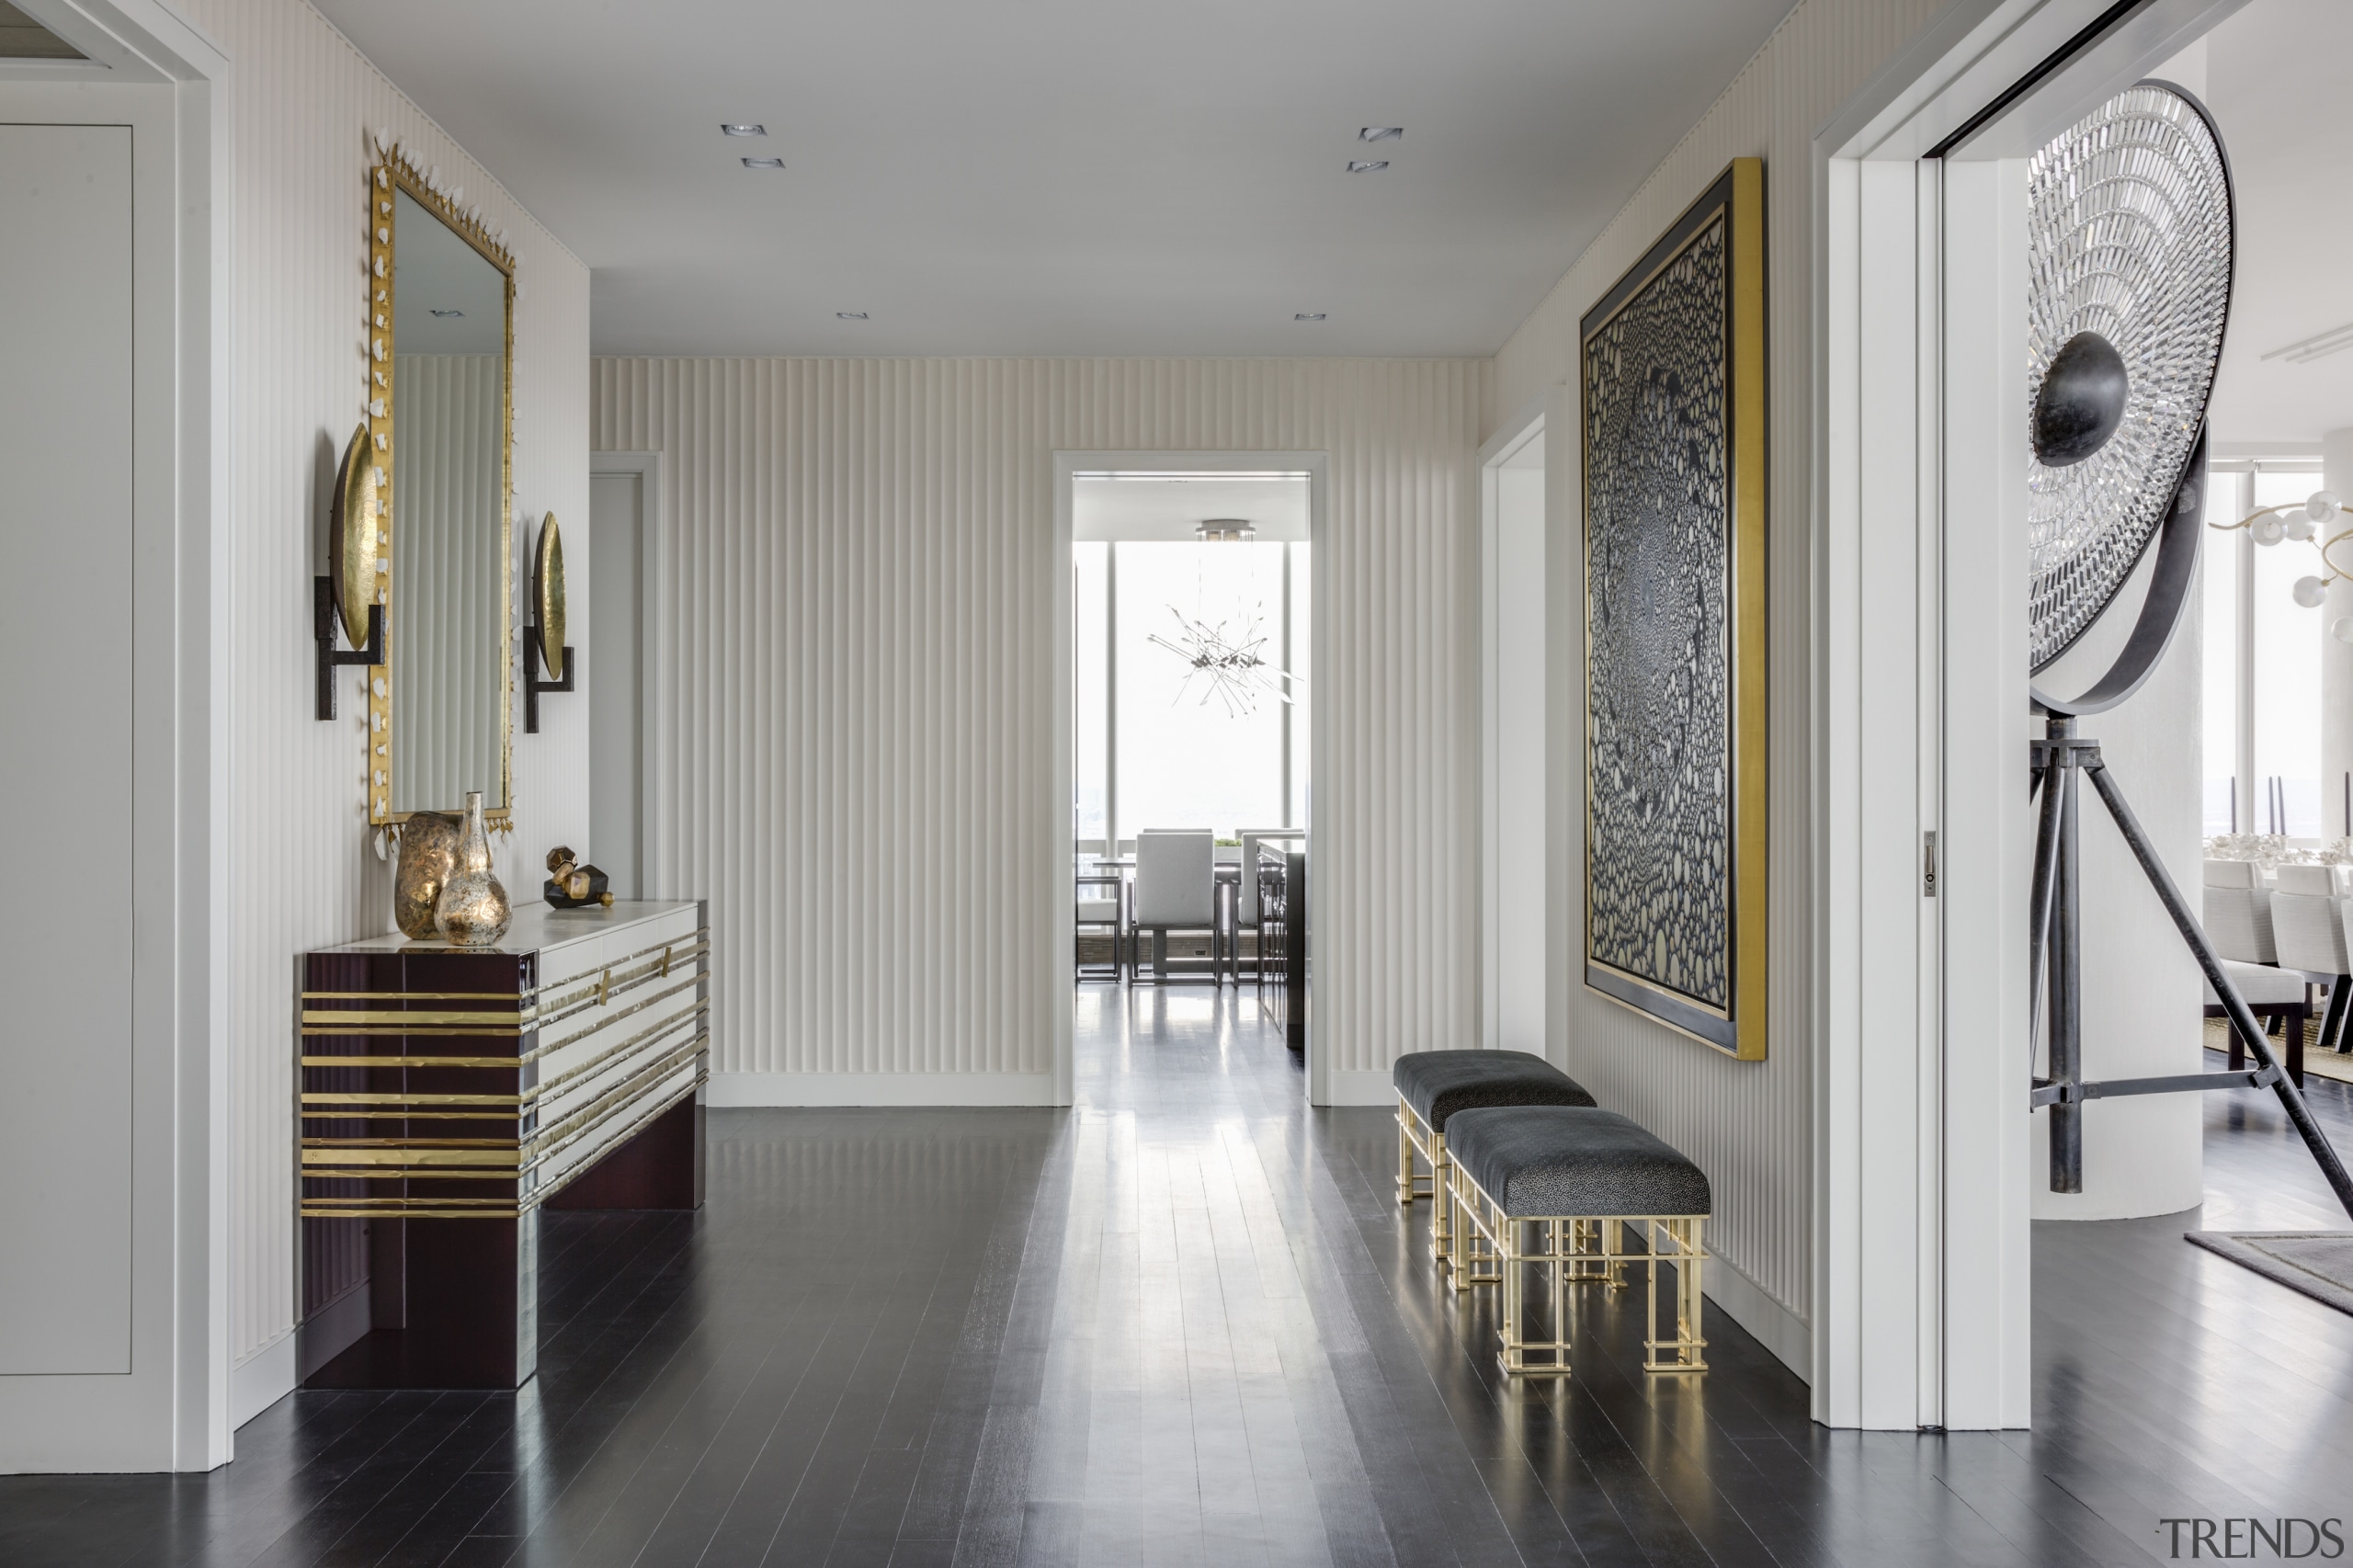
[448, 1094]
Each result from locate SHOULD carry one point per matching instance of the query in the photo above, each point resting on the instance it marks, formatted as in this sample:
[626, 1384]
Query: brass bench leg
[1442, 1215]
[1404, 1160]
[1514, 1358]
[1686, 1350]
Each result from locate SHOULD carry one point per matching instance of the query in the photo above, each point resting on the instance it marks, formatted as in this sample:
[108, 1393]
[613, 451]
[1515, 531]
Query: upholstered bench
[1432, 1085]
[1559, 1188]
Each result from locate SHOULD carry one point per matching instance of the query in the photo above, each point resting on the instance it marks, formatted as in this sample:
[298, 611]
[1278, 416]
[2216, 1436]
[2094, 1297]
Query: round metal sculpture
[2128, 257]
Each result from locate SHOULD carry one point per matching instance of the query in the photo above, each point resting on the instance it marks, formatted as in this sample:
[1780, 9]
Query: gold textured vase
[428, 841]
[472, 911]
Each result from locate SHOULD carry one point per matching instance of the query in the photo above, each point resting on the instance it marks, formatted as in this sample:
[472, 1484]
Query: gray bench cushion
[1436, 1084]
[1560, 1160]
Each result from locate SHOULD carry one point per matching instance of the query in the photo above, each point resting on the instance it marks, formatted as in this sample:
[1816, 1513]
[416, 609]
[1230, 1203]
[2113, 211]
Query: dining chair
[1101, 898]
[2238, 912]
[1246, 916]
[1175, 890]
[2308, 908]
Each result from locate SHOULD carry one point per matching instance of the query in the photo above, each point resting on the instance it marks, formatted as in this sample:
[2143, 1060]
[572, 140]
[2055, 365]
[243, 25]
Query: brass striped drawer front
[480, 1103]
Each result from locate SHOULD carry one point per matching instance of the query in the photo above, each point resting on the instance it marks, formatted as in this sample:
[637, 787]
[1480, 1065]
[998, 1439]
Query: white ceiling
[1065, 176]
[2276, 75]
[1169, 506]
[436, 270]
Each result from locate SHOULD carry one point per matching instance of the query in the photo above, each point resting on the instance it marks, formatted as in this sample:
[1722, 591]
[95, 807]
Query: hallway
[1183, 1323]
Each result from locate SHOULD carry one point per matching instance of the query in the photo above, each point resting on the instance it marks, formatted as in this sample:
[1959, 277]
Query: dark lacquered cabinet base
[449, 1096]
[452, 1286]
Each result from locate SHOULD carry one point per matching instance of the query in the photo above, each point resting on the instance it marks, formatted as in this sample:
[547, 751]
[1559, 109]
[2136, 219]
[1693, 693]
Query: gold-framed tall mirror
[440, 418]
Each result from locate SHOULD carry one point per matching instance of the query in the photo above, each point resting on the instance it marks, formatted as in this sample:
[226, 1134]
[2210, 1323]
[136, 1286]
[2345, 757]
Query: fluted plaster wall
[850, 724]
[298, 870]
[1748, 1124]
[445, 475]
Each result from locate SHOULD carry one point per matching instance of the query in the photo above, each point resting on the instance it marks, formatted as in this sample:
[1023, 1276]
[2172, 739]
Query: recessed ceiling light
[1382, 133]
[850, 316]
[446, 314]
[1305, 315]
[1356, 166]
[763, 131]
[764, 163]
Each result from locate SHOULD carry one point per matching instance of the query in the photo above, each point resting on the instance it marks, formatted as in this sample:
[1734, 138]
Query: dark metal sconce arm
[533, 685]
[324, 619]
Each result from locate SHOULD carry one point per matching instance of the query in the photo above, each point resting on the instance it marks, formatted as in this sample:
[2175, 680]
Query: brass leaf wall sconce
[546, 644]
[347, 594]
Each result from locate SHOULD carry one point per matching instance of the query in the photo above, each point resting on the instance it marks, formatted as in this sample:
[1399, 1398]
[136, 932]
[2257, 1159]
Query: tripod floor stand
[2059, 761]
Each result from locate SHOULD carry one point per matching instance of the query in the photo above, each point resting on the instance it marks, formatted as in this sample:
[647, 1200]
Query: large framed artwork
[1672, 412]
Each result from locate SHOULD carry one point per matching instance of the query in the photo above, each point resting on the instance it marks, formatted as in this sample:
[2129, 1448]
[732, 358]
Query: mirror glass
[448, 622]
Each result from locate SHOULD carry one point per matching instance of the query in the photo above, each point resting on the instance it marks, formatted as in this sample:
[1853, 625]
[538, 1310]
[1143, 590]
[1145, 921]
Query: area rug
[2317, 1063]
[2318, 1263]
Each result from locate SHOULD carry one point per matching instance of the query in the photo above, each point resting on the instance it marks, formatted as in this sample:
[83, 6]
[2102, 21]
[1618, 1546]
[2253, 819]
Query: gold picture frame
[1672, 401]
[393, 172]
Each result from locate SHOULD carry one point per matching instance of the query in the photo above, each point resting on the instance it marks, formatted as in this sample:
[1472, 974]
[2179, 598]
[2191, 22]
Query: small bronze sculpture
[571, 885]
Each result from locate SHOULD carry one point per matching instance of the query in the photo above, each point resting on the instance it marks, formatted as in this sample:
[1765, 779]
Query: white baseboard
[261, 1379]
[1358, 1088]
[1776, 1327]
[879, 1089]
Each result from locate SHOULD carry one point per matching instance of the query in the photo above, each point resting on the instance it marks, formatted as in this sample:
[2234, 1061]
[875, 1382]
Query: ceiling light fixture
[1309, 315]
[764, 163]
[1356, 166]
[743, 130]
[850, 316]
[445, 314]
[2319, 346]
[1382, 133]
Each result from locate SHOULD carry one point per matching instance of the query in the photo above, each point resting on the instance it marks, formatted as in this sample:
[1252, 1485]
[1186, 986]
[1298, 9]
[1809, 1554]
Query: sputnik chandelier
[2303, 522]
[1232, 664]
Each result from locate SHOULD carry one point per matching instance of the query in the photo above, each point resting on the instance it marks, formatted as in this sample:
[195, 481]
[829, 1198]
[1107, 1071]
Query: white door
[1513, 673]
[66, 646]
[613, 668]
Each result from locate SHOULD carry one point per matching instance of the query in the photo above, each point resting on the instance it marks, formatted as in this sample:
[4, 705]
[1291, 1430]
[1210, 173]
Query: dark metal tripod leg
[2066, 997]
[2332, 1028]
[2292, 1100]
[2046, 868]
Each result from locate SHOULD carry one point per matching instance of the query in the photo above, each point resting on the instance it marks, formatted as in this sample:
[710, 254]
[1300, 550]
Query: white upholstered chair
[2238, 912]
[1246, 895]
[2275, 943]
[1101, 898]
[1175, 890]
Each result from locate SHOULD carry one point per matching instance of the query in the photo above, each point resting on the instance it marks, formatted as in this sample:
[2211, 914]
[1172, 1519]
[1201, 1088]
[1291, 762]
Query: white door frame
[1920, 696]
[655, 860]
[1055, 962]
[149, 70]
[1506, 443]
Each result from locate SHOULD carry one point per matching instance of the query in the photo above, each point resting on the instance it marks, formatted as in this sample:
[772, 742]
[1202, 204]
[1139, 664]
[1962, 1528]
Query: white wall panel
[445, 472]
[850, 730]
[298, 870]
[1748, 1124]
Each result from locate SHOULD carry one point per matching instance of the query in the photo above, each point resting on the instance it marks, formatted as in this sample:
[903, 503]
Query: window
[1158, 743]
[2219, 566]
[2287, 647]
[2262, 666]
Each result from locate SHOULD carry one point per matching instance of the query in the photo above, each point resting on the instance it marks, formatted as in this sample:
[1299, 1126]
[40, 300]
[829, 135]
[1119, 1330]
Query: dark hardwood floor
[1186, 1324]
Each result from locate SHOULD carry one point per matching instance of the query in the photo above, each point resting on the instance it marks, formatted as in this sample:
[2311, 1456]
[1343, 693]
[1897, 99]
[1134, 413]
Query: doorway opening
[621, 653]
[1948, 1259]
[1514, 947]
[1189, 721]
